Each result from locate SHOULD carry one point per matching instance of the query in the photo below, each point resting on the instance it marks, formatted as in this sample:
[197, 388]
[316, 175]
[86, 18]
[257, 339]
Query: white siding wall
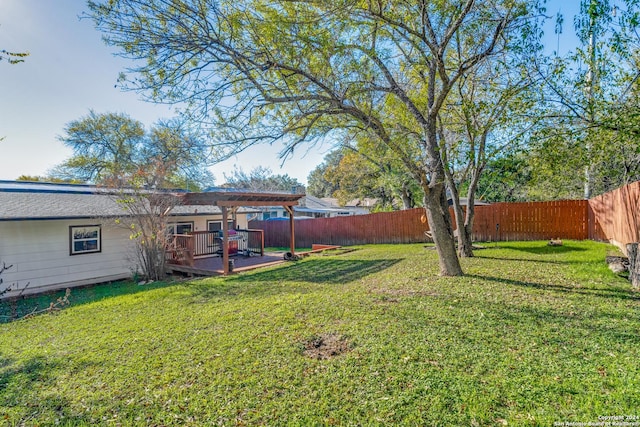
[39, 253]
[200, 222]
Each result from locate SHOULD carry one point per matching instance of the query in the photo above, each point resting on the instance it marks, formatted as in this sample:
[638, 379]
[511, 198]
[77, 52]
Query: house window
[85, 239]
[180, 228]
[217, 225]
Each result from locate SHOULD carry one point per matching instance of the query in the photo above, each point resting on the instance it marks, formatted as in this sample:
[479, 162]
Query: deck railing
[180, 250]
[184, 248]
[206, 243]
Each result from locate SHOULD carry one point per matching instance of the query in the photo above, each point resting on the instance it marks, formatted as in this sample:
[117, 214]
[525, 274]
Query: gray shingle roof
[40, 200]
[23, 205]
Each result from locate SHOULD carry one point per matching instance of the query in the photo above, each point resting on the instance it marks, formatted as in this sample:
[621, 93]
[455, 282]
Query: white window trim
[174, 225]
[75, 237]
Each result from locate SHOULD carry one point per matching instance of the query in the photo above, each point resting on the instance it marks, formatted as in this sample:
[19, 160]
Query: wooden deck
[212, 266]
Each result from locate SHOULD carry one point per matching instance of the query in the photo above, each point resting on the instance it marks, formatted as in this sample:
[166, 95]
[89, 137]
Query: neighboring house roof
[359, 203]
[311, 204]
[320, 211]
[41, 201]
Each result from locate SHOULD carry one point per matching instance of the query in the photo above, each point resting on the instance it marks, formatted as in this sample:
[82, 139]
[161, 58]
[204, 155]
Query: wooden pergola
[231, 200]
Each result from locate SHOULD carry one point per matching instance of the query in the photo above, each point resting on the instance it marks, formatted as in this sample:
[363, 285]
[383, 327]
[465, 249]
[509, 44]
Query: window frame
[219, 221]
[173, 226]
[73, 239]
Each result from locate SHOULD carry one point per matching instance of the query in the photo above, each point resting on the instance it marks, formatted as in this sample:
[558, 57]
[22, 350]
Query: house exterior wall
[200, 221]
[39, 252]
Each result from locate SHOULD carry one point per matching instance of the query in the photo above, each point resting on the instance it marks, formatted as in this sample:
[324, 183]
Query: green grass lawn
[532, 335]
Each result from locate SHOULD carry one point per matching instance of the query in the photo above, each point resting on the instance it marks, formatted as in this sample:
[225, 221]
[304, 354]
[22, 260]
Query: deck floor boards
[212, 266]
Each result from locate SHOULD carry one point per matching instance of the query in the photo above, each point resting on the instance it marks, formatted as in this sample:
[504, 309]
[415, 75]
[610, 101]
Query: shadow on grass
[13, 309]
[313, 271]
[35, 369]
[540, 249]
[599, 292]
[20, 383]
[318, 270]
[504, 258]
[29, 386]
[561, 327]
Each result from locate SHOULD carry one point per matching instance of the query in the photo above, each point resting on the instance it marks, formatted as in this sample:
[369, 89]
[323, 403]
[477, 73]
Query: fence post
[634, 265]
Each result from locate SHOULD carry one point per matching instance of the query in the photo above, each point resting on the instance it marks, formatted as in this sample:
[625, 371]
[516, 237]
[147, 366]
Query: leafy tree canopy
[12, 57]
[37, 178]
[592, 105]
[262, 179]
[319, 184]
[114, 149]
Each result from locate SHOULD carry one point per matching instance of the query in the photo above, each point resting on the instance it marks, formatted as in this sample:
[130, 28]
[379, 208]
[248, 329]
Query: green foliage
[591, 96]
[113, 149]
[531, 336]
[506, 179]
[12, 57]
[36, 178]
[367, 170]
[261, 179]
[319, 183]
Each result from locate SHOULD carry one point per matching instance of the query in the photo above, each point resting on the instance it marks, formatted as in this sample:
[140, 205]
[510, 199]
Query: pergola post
[234, 216]
[292, 234]
[225, 241]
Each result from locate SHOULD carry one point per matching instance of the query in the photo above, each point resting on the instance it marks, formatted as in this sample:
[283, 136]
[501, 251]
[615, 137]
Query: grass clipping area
[532, 335]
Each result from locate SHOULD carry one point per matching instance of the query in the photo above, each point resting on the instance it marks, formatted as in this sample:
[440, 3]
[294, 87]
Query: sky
[70, 71]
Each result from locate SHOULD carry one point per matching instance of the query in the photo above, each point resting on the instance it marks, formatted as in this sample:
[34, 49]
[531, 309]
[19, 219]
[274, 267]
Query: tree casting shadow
[291, 278]
[540, 249]
[599, 292]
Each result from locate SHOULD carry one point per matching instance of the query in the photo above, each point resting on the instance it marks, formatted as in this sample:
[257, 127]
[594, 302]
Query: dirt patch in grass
[326, 346]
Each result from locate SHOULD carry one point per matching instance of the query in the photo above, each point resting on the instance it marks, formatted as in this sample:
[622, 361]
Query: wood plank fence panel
[531, 221]
[516, 221]
[615, 216]
[383, 227]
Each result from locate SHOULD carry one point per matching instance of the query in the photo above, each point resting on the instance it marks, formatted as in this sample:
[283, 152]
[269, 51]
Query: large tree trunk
[465, 246]
[471, 207]
[405, 195]
[437, 209]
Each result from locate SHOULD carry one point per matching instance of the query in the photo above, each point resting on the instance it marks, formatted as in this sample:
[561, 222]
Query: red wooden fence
[517, 221]
[565, 219]
[384, 227]
[613, 217]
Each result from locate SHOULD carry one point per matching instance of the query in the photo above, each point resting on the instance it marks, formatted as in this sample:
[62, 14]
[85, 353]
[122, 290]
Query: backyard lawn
[532, 335]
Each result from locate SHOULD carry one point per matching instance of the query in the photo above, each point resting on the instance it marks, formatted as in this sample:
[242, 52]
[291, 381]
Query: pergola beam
[254, 203]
